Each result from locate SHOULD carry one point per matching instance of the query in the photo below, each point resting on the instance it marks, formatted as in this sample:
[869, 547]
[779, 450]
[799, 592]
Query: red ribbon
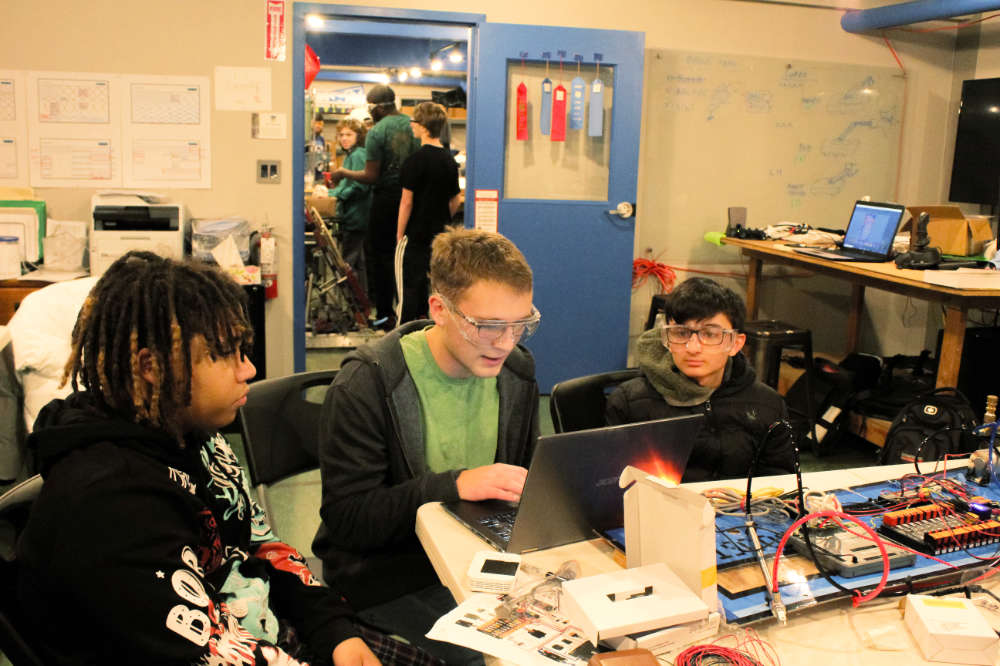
[522, 112]
[559, 113]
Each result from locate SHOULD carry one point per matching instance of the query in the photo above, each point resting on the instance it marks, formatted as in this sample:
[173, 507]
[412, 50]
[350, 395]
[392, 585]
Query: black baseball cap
[381, 94]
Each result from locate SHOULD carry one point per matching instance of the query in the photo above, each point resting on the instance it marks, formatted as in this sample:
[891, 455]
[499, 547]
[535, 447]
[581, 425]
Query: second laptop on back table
[869, 236]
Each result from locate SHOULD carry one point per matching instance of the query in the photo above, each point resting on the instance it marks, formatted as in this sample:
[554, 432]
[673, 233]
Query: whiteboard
[791, 140]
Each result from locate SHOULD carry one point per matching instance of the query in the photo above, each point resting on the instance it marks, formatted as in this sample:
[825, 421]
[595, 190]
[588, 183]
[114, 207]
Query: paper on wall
[242, 89]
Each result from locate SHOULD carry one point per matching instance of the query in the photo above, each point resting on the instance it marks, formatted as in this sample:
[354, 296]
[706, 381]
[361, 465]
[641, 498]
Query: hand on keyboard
[496, 481]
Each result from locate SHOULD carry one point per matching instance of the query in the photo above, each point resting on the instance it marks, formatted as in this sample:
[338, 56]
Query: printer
[123, 222]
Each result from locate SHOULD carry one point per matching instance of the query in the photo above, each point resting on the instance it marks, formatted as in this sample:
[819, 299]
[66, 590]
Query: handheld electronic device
[491, 571]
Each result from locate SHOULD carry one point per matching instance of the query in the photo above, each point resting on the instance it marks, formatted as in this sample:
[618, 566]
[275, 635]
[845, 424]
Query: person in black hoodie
[144, 545]
[691, 363]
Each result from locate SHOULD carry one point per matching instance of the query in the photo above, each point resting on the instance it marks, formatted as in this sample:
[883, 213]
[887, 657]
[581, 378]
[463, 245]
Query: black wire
[802, 512]
[923, 442]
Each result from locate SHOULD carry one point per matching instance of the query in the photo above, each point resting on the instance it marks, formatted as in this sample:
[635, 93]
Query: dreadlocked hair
[145, 301]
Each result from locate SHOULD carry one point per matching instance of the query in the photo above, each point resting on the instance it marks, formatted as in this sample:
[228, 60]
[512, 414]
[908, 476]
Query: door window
[540, 168]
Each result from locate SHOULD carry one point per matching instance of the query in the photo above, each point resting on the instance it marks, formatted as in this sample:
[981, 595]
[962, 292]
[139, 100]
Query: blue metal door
[580, 252]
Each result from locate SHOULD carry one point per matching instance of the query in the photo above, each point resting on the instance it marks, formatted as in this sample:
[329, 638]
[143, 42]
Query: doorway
[359, 47]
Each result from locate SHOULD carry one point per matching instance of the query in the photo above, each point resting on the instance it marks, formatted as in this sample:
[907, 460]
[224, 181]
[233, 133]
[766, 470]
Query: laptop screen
[872, 227]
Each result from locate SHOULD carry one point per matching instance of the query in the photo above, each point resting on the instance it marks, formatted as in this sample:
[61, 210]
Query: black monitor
[975, 173]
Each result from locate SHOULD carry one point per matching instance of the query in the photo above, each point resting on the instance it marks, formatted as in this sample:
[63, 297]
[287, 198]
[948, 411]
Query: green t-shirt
[390, 142]
[460, 416]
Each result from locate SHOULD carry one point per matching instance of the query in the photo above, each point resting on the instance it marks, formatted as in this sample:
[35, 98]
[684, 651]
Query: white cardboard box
[629, 601]
[661, 641]
[950, 629]
[667, 523]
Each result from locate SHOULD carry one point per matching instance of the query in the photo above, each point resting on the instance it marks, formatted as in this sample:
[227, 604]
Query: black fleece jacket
[738, 414]
[139, 551]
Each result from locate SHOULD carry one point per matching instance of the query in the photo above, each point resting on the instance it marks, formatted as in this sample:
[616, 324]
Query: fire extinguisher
[269, 263]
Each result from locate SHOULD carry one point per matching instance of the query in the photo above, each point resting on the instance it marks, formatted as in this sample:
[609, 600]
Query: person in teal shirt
[354, 199]
[388, 145]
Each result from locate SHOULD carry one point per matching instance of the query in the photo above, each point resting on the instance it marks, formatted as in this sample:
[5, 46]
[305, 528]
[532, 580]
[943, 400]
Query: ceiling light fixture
[453, 51]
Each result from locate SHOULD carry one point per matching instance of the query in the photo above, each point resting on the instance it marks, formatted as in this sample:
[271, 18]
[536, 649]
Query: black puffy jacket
[738, 414]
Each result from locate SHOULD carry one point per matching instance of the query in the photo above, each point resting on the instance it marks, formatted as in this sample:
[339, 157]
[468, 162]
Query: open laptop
[572, 486]
[869, 234]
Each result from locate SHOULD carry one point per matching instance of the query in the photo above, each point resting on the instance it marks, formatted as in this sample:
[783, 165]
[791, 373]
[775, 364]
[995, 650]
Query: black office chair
[15, 638]
[578, 403]
[280, 426]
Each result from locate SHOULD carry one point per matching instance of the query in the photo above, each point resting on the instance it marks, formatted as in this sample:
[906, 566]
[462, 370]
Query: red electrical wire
[643, 269]
[749, 650]
[856, 600]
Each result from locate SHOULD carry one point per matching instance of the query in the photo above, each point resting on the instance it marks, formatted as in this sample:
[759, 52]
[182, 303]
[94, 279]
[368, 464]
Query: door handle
[623, 210]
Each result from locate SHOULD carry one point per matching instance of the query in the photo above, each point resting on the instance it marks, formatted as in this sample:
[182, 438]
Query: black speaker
[737, 218]
[979, 374]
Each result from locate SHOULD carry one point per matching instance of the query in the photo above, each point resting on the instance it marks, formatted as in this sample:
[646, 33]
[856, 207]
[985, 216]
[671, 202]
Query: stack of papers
[965, 278]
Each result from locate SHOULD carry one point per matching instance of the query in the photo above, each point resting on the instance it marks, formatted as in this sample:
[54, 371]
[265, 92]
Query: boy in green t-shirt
[440, 409]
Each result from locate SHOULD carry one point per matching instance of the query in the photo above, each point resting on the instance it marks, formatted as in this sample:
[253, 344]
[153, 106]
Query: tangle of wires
[746, 648]
[643, 269]
[766, 503]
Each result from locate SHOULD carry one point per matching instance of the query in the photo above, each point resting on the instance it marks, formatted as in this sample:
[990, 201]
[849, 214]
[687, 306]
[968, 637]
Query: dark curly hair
[145, 301]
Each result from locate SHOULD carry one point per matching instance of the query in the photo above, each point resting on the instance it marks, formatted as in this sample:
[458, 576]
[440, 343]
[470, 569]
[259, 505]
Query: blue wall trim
[906, 13]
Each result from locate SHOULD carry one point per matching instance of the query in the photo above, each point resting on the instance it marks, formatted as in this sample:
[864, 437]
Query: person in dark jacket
[144, 546]
[692, 363]
[437, 410]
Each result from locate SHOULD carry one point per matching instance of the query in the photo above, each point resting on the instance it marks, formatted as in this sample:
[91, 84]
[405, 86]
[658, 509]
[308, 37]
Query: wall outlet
[269, 172]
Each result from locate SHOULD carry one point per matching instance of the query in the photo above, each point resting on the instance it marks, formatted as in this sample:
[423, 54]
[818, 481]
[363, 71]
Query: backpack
[932, 425]
[834, 390]
[902, 380]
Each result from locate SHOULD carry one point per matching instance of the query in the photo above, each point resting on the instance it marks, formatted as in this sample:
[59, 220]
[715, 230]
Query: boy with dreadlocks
[144, 545]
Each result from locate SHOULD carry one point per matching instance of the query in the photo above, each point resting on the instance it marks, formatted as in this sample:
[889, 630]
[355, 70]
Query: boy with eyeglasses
[691, 364]
[436, 410]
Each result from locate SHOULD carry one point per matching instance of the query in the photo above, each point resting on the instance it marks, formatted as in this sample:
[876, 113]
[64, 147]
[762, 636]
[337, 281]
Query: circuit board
[915, 512]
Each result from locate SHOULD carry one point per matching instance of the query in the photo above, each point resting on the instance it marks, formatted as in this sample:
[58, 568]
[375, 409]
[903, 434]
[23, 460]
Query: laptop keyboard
[500, 524]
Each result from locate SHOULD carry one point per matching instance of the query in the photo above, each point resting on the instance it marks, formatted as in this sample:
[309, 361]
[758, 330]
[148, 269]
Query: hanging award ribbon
[522, 105]
[559, 106]
[595, 120]
[577, 97]
[545, 114]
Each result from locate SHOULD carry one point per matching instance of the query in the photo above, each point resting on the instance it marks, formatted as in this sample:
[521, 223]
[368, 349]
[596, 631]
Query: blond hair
[461, 257]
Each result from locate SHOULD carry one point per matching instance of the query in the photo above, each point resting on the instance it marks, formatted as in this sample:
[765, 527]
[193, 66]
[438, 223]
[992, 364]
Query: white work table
[833, 633]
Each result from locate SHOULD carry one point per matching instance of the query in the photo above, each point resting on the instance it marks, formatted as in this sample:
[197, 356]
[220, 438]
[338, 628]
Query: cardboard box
[686, 544]
[671, 639]
[950, 230]
[629, 601]
[950, 629]
[327, 206]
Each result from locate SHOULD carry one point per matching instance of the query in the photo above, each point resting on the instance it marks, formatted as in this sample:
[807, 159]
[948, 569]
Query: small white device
[491, 571]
